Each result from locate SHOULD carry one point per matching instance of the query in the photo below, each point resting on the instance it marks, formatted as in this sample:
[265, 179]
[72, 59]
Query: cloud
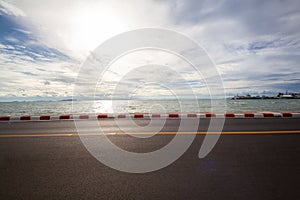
[254, 44]
[247, 40]
[77, 27]
[10, 9]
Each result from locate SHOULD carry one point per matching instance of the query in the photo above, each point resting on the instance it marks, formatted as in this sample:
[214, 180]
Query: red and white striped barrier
[148, 116]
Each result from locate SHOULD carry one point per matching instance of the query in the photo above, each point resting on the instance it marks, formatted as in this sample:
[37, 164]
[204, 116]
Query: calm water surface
[141, 106]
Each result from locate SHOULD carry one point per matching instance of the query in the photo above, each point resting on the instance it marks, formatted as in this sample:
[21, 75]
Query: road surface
[37, 164]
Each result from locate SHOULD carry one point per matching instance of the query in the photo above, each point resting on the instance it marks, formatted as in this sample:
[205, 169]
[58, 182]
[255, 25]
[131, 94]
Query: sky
[255, 46]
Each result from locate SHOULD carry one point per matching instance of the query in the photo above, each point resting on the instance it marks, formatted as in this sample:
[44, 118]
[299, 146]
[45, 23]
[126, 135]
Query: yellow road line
[144, 133]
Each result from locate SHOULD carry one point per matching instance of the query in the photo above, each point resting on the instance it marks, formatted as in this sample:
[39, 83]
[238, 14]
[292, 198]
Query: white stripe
[15, 118]
[220, 116]
[277, 114]
[128, 115]
[201, 115]
[74, 117]
[114, 115]
[239, 115]
[35, 118]
[295, 114]
[111, 115]
[54, 117]
[148, 116]
[164, 115]
[258, 115]
[182, 116]
[93, 117]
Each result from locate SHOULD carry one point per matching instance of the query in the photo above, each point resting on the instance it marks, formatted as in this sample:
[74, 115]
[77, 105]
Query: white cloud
[22, 77]
[77, 27]
[11, 9]
[248, 41]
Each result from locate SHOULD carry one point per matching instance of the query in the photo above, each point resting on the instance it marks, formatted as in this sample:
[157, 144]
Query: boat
[279, 96]
[288, 95]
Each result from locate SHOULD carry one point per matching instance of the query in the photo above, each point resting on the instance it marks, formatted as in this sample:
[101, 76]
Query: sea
[148, 106]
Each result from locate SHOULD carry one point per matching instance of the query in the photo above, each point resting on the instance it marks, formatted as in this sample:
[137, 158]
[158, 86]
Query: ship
[279, 96]
[288, 95]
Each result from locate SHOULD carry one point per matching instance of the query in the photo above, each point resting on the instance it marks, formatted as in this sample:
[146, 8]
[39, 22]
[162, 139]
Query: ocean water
[142, 106]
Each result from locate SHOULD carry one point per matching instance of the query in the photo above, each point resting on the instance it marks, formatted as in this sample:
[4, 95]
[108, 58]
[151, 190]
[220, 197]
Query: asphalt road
[241, 166]
[118, 125]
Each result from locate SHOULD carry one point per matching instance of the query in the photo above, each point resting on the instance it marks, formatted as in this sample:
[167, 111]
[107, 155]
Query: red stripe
[191, 115]
[25, 118]
[210, 115]
[155, 115]
[45, 117]
[173, 115]
[229, 115]
[249, 115]
[102, 116]
[138, 116]
[4, 118]
[83, 117]
[287, 115]
[64, 117]
[268, 114]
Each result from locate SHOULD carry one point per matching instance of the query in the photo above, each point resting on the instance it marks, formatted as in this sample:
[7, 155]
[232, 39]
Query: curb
[147, 116]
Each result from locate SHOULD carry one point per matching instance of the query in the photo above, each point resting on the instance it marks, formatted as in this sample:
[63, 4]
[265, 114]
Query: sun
[92, 24]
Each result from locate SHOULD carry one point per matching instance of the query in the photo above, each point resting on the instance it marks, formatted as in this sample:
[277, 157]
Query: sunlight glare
[93, 24]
